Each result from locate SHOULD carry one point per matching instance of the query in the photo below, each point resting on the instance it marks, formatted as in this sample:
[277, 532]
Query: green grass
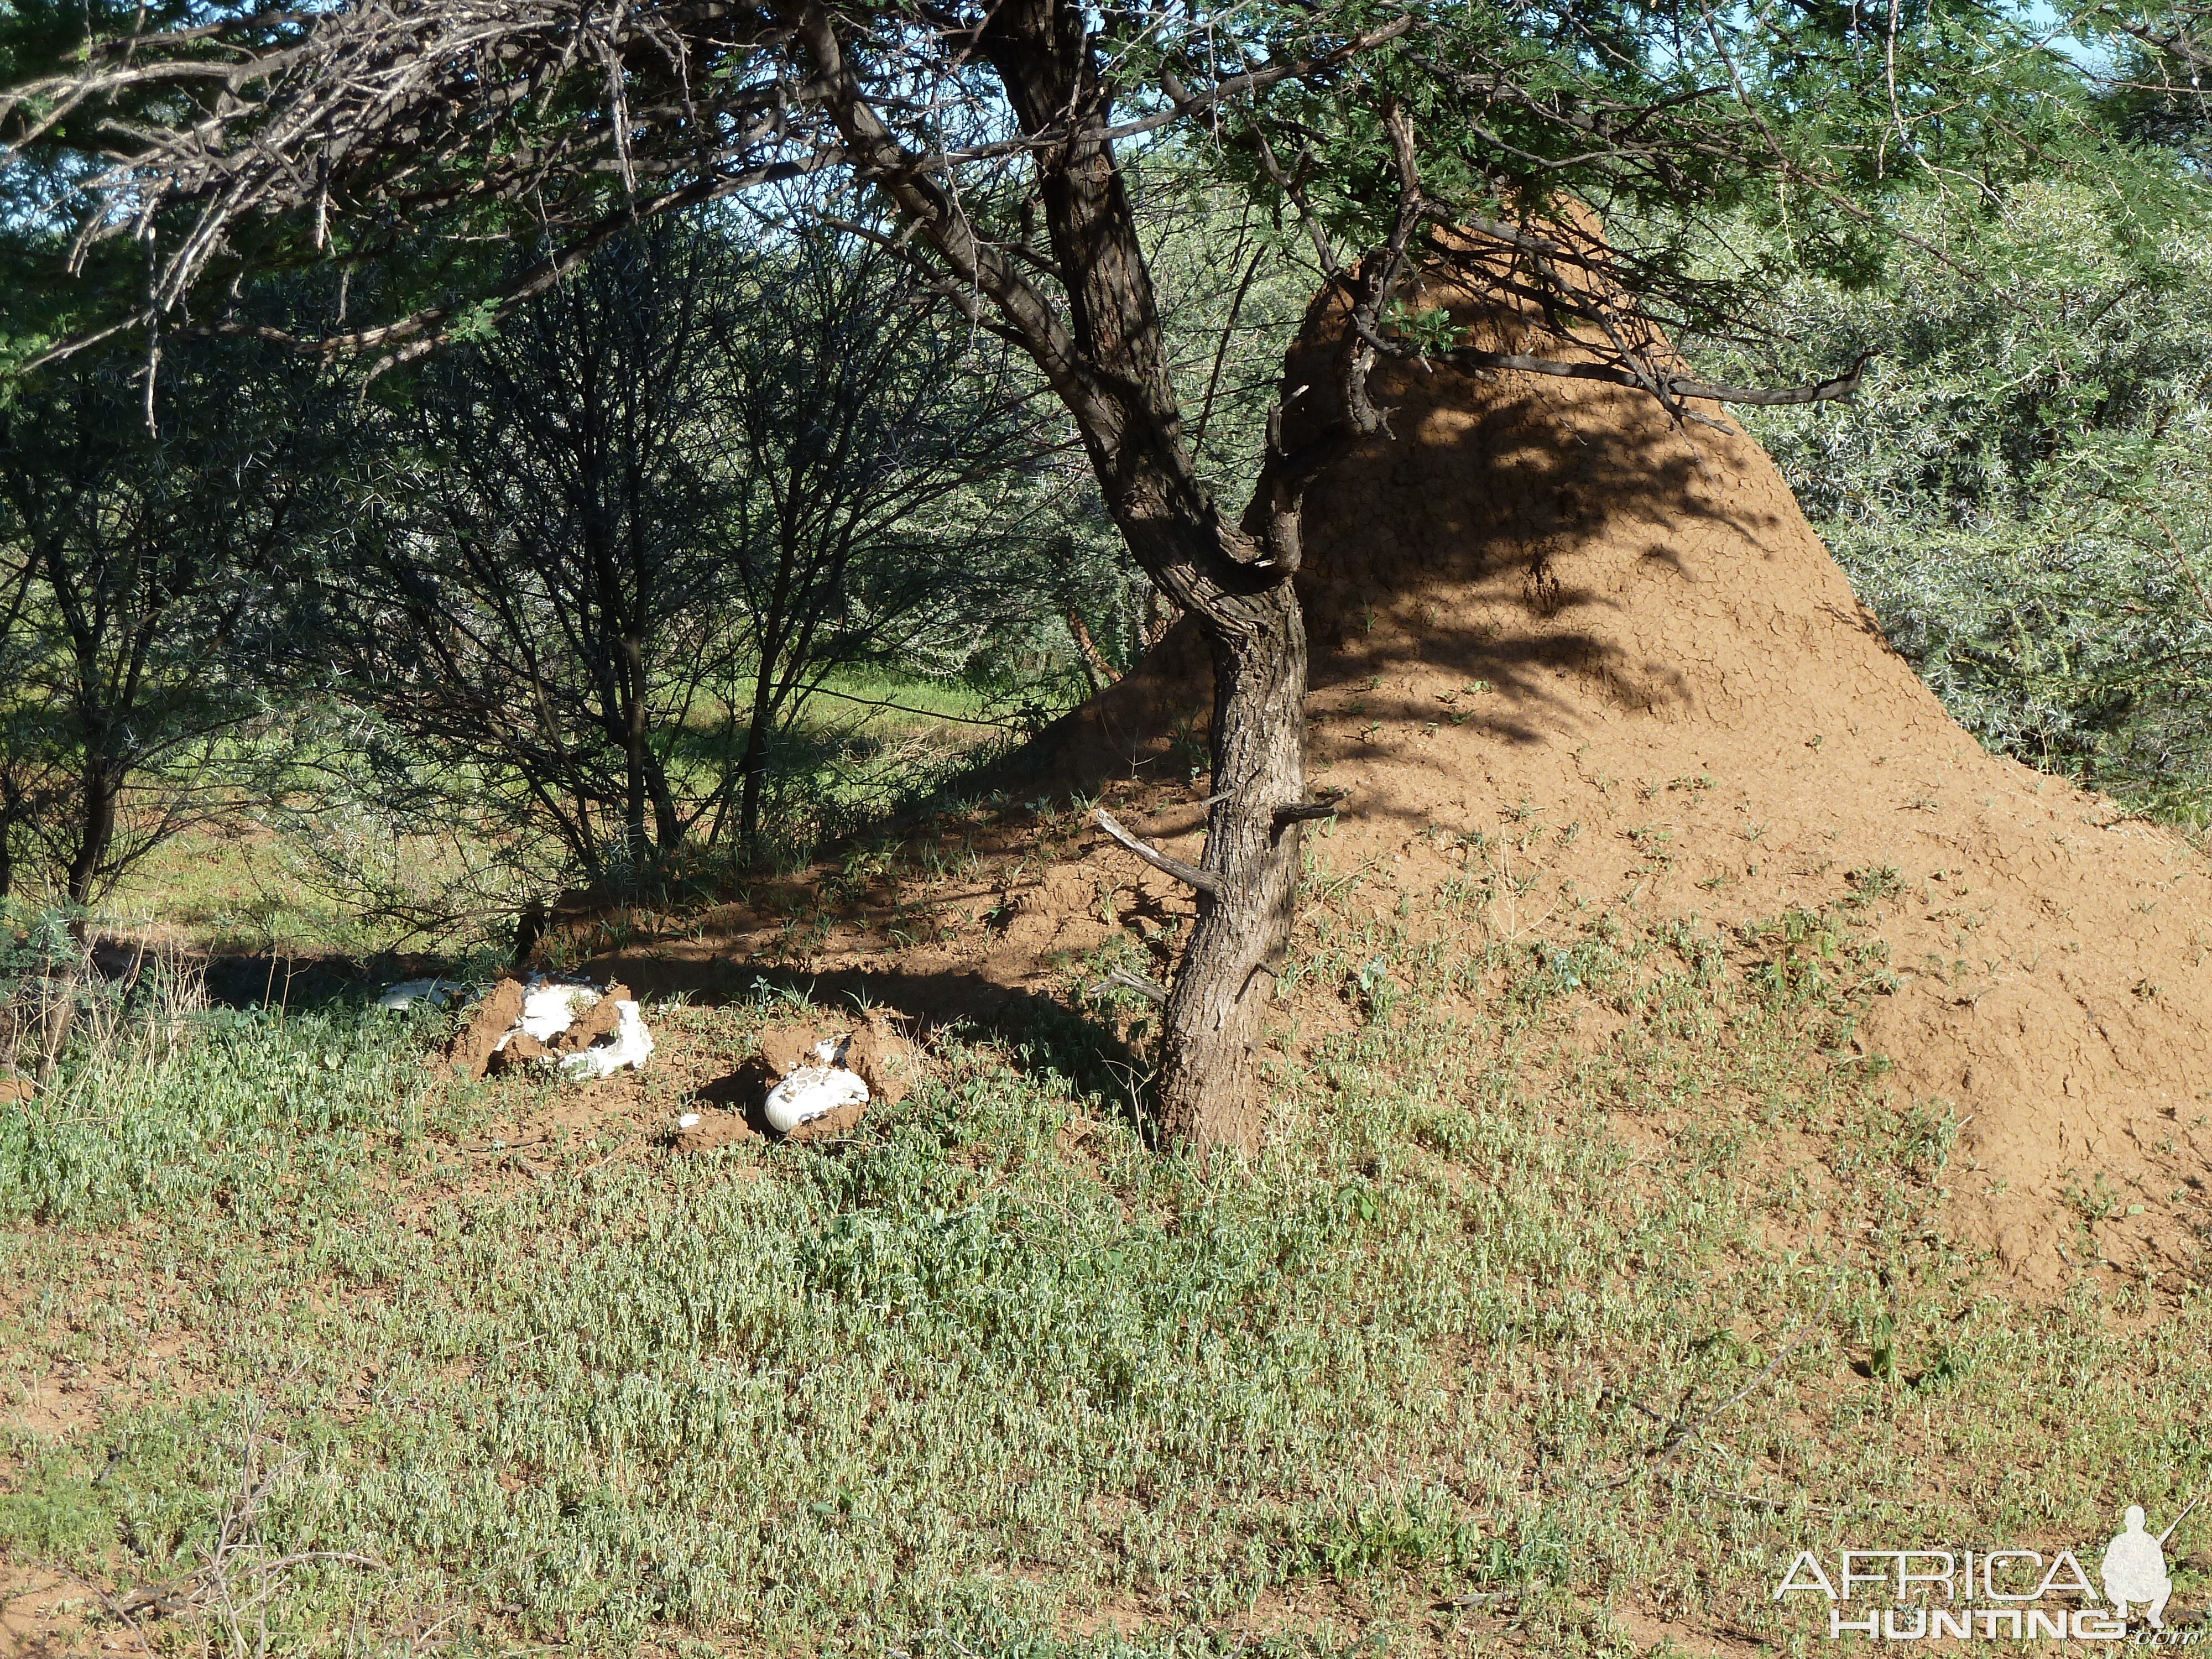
[229, 889]
[995, 1378]
[874, 739]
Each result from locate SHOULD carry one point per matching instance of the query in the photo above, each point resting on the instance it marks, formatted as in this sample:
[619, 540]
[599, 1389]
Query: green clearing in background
[237, 885]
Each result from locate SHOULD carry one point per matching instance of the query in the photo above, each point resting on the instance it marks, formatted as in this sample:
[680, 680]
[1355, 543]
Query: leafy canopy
[219, 141]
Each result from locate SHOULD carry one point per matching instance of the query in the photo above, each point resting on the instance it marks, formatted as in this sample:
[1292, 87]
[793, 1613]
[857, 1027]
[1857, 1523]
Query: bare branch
[880, 158]
[1674, 388]
[1153, 990]
[1330, 802]
[1189, 874]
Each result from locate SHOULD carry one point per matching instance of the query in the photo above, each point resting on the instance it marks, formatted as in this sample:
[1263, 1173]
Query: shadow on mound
[1554, 543]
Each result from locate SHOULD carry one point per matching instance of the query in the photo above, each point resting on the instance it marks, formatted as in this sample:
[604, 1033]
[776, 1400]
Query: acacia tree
[624, 537]
[540, 601]
[137, 573]
[868, 455]
[991, 134]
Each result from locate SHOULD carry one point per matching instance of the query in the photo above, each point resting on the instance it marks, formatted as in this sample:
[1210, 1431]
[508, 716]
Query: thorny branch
[228, 1594]
[362, 122]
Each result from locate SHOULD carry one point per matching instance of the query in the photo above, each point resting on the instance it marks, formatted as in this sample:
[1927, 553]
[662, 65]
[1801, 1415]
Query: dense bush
[2020, 489]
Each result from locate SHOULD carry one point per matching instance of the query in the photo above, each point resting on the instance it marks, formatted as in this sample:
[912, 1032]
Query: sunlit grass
[233, 888]
[872, 740]
[1505, 1333]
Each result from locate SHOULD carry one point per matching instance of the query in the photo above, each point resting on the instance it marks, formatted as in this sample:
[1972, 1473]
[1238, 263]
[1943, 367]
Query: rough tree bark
[1209, 1082]
[97, 801]
[1208, 1091]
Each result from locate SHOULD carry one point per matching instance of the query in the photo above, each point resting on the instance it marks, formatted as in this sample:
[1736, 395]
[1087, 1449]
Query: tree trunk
[95, 833]
[632, 710]
[1209, 1084]
[1107, 362]
[9, 809]
[667, 819]
[752, 767]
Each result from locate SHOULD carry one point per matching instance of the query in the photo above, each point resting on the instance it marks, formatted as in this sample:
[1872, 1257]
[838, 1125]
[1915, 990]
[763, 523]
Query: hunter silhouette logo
[1986, 1595]
[2135, 1567]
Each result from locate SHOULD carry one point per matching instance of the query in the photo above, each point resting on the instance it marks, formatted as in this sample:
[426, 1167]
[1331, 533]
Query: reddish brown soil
[886, 1062]
[602, 1019]
[1536, 597]
[520, 1050]
[729, 1108]
[470, 1054]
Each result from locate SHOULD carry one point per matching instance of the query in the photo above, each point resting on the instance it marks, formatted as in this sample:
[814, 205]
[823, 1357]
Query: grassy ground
[1587, 1279]
[233, 888]
[869, 737]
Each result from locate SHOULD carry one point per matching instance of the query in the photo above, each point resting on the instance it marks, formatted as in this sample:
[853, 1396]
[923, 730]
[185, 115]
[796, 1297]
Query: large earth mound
[1538, 594]
[1534, 597]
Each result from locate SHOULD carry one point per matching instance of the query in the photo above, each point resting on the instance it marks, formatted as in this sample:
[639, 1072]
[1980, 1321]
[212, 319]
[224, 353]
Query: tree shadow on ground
[1040, 1032]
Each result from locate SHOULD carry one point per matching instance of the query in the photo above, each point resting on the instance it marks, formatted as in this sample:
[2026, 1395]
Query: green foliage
[149, 1098]
[1232, 289]
[1670, 120]
[2020, 489]
[139, 569]
[206, 1122]
[619, 564]
[1429, 330]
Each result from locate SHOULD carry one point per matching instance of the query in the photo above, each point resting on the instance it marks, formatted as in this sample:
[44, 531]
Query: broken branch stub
[1189, 874]
[1144, 988]
[1329, 804]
